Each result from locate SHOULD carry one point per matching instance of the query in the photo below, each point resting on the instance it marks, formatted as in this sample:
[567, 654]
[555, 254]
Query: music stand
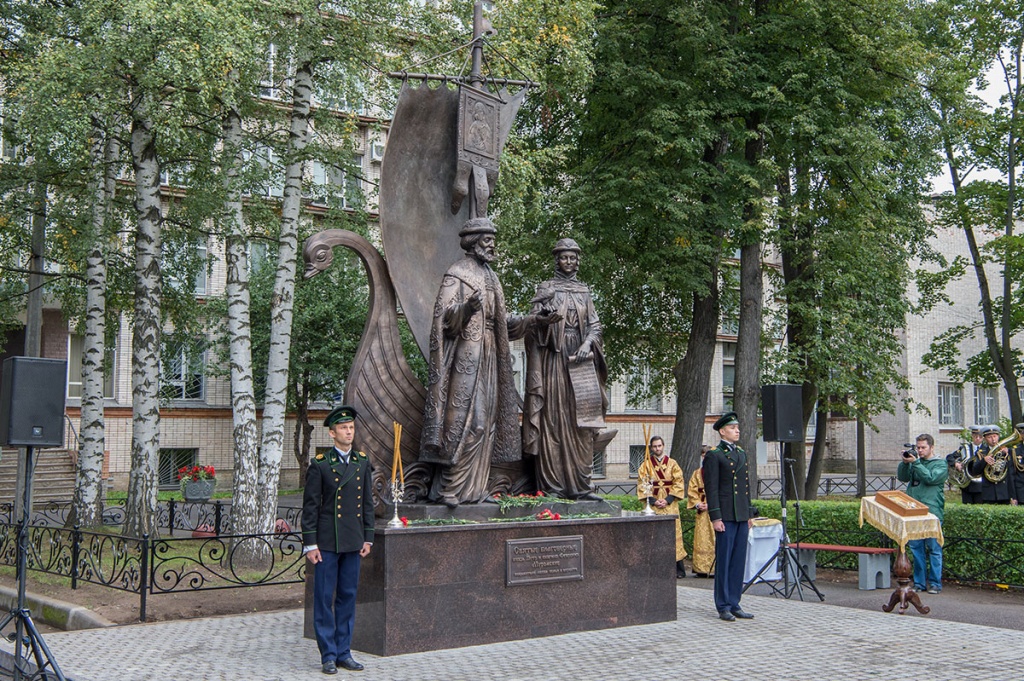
[25, 632]
[794, 576]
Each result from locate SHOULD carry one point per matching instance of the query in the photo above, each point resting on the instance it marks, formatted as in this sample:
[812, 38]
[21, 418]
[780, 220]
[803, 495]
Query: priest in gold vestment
[703, 533]
[667, 488]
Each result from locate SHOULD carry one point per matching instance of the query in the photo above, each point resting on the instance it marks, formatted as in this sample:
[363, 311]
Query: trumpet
[1002, 452]
[960, 477]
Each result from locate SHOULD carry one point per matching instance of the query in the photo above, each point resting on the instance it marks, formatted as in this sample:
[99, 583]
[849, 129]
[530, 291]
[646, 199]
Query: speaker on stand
[783, 421]
[32, 393]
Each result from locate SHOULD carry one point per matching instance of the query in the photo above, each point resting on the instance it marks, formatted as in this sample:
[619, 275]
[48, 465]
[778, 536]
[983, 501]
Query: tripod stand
[794, 576]
[25, 633]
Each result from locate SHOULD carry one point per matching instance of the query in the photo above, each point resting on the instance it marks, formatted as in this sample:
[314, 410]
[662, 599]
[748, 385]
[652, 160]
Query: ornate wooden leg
[904, 593]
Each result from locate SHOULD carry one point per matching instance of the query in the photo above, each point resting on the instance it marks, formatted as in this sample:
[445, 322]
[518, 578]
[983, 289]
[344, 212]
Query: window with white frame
[346, 187]
[951, 405]
[200, 252]
[640, 386]
[728, 375]
[986, 405]
[270, 84]
[182, 369]
[76, 347]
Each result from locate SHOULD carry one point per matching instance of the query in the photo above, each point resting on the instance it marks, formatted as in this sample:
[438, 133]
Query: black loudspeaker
[32, 402]
[783, 414]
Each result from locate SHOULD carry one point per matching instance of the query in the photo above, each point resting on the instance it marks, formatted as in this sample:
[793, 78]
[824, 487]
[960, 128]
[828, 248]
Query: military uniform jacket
[337, 503]
[727, 485]
[990, 491]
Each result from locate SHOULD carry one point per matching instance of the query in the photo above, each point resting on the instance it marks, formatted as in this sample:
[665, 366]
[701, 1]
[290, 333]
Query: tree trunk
[87, 508]
[817, 457]
[692, 375]
[862, 461]
[998, 346]
[1006, 367]
[140, 515]
[303, 430]
[245, 517]
[33, 324]
[798, 271]
[275, 404]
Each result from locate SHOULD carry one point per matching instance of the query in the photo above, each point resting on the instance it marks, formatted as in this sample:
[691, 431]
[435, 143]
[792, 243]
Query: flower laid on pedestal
[197, 482]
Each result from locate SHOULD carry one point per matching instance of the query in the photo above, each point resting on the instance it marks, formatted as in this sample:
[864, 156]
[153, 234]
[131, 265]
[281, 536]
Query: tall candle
[397, 455]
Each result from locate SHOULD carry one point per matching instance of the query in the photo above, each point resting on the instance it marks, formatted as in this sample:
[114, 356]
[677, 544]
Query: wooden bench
[872, 562]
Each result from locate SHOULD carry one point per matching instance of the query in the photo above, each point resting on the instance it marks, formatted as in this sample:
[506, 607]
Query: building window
[636, 457]
[180, 262]
[728, 375]
[171, 459]
[640, 391]
[334, 186]
[76, 344]
[182, 368]
[600, 465]
[986, 406]
[951, 405]
[519, 369]
[271, 82]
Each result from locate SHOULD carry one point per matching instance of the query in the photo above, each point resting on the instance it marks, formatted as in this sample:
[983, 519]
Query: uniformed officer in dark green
[337, 531]
[727, 487]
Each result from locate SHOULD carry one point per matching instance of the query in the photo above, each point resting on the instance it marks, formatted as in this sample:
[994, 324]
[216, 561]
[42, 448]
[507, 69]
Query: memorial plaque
[545, 559]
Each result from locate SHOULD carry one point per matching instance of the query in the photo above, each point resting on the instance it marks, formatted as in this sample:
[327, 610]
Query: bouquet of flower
[546, 514]
[195, 473]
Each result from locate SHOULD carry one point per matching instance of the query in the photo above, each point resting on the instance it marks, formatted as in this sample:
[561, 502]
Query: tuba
[961, 478]
[1004, 457]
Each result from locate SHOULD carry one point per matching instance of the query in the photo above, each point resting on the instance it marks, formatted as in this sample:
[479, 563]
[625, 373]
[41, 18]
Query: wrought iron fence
[157, 566]
[846, 485]
[175, 516]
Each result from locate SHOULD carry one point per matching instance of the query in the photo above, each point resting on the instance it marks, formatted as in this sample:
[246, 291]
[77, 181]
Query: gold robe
[667, 479]
[703, 533]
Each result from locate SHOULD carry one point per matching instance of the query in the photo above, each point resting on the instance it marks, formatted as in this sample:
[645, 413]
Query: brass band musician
[993, 491]
[970, 487]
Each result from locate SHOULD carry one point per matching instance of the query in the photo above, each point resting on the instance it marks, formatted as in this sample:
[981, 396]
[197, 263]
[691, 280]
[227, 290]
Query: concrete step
[52, 480]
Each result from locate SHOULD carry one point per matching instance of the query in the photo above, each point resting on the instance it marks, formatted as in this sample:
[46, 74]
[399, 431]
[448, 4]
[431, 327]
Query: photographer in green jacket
[925, 475]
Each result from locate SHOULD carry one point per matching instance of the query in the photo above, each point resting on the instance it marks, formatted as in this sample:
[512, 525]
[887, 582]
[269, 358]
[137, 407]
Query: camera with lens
[909, 451]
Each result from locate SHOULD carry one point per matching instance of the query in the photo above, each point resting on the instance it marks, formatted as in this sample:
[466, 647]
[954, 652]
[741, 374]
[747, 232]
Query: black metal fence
[207, 556]
[845, 485]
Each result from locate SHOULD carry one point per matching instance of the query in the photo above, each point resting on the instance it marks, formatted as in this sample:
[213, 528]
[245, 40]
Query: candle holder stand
[397, 494]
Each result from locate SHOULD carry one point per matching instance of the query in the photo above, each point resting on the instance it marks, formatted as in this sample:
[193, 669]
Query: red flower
[558, 517]
[405, 521]
[539, 493]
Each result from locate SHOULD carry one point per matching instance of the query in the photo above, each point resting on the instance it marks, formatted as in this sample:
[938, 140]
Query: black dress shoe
[351, 665]
[329, 667]
[680, 574]
[727, 616]
[742, 614]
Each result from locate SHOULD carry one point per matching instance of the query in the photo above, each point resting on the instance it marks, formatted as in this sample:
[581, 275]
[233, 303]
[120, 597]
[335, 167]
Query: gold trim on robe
[667, 478]
[703, 533]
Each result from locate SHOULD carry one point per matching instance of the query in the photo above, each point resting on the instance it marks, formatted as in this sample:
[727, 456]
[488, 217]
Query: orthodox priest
[566, 374]
[667, 488]
[471, 414]
[703, 534]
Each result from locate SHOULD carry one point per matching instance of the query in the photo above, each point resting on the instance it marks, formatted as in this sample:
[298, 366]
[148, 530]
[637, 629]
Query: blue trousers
[927, 572]
[335, 580]
[730, 561]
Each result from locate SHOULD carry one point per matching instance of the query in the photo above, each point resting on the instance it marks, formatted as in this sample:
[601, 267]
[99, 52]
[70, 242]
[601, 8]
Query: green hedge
[983, 543]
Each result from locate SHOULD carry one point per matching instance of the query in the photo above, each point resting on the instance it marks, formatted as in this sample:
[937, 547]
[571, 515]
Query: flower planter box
[198, 490]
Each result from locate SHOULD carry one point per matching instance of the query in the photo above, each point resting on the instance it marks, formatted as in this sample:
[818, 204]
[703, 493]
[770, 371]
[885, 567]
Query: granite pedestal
[430, 588]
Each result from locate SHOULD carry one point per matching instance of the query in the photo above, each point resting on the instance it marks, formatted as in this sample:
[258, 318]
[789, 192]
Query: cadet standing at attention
[337, 531]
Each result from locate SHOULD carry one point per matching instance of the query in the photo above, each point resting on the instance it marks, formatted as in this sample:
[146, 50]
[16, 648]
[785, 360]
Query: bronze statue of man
[566, 376]
[471, 413]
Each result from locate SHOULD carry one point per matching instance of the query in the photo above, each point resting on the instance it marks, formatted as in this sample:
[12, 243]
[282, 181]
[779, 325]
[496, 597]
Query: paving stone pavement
[787, 640]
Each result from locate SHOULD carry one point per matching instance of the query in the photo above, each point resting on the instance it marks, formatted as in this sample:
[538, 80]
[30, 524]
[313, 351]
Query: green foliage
[982, 541]
[628, 502]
